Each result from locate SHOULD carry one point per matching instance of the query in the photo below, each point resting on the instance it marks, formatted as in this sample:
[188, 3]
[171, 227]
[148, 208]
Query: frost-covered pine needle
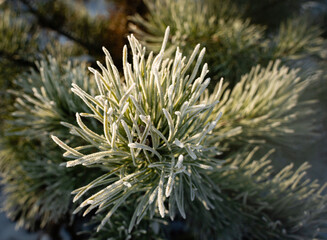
[146, 122]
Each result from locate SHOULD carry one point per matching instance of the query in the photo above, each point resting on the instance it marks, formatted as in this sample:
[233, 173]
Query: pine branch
[45, 21]
[37, 188]
[261, 204]
[233, 44]
[266, 108]
[153, 134]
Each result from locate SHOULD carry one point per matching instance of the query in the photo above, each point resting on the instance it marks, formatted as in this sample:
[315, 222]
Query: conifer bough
[36, 188]
[151, 135]
[233, 42]
[265, 108]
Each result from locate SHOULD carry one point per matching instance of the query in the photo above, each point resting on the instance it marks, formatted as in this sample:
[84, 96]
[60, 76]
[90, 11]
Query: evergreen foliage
[233, 43]
[154, 134]
[47, 99]
[260, 204]
[19, 40]
[152, 138]
[37, 188]
[16, 43]
[228, 39]
[265, 108]
[21, 45]
[242, 193]
[296, 37]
